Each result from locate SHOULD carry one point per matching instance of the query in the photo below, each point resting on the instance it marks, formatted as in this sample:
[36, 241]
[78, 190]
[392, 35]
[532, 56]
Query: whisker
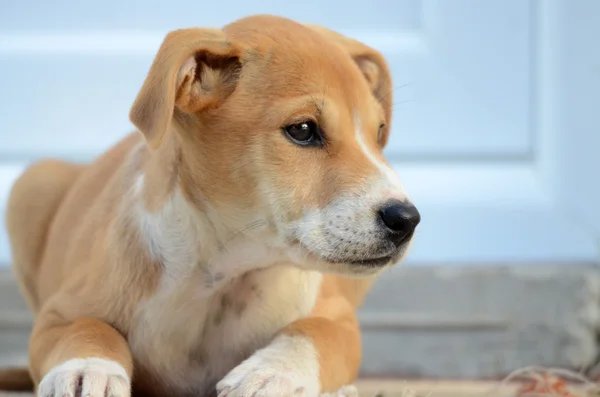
[249, 227]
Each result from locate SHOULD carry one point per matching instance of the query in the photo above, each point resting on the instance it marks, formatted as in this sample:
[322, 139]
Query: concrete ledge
[441, 322]
[474, 322]
[15, 322]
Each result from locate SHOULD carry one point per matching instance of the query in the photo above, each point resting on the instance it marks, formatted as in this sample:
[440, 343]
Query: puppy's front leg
[84, 358]
[314, 355]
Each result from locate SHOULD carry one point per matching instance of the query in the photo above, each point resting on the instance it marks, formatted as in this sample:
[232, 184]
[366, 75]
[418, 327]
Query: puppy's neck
[185, 238]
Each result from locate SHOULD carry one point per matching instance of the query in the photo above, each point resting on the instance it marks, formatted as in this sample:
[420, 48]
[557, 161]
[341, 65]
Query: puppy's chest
[190, 335]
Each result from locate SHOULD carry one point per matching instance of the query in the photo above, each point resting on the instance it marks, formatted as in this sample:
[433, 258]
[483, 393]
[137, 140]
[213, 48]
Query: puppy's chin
[307, 259]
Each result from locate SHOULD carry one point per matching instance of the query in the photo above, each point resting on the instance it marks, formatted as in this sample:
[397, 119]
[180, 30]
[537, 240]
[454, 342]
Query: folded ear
[373, 66]
[194, 69]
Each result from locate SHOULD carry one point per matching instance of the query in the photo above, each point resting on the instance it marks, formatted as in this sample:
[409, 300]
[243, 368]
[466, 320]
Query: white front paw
[288, 367]
[89, 377]
[346, 391]
[265, 382]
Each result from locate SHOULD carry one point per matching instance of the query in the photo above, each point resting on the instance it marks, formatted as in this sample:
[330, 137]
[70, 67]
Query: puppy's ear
[374, 68]
[194, 69]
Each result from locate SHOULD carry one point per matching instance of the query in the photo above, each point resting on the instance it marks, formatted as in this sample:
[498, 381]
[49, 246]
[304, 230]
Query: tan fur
[168, 255]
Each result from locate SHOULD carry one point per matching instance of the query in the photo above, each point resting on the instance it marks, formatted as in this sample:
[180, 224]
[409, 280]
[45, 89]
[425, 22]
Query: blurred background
[495, 135]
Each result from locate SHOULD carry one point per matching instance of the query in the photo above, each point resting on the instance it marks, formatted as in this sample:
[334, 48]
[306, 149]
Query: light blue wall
[495, 121]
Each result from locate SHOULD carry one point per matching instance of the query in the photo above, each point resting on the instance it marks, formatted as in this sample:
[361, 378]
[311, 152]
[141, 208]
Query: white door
[496, 129]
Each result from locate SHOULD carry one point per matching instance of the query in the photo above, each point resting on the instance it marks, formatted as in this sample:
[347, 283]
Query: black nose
[400, 218]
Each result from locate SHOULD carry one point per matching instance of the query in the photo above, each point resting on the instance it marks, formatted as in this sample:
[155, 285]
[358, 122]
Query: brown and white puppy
[224, 249]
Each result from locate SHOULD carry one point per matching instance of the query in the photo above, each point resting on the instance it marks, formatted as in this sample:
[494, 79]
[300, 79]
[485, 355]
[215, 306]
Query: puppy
[224, 247]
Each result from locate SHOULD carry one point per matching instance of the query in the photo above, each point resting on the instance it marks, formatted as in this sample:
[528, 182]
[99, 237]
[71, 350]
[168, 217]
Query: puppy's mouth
[375, 261]
[369, 262]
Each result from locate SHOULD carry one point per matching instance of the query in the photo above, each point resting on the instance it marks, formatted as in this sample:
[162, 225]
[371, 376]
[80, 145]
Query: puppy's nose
[400, 218]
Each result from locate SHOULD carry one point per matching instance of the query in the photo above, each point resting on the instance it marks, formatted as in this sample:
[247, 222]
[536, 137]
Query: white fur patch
[183, 238]
[171, 234]
[391, 178]
[289, 366]
[98, 377]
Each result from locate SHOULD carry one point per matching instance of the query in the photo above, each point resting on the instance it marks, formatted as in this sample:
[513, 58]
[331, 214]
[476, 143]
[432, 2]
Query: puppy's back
[33, 202]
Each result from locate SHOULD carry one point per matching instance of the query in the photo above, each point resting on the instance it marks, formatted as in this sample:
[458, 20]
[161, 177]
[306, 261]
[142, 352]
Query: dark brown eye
[306, 133]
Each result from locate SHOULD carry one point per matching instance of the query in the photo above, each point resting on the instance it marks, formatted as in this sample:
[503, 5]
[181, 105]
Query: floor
[15, 323]
[395, 388]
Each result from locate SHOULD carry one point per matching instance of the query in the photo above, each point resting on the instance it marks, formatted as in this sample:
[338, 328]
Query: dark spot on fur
[225, 303]
[198, 357]
[258, 292]
[218, 318]
[224, 307]
[240, 307]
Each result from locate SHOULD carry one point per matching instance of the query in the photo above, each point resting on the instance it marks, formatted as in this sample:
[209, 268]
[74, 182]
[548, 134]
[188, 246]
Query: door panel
[464, 91]
[68, 105]
[144, 15]
[446, 104]
[570, 148]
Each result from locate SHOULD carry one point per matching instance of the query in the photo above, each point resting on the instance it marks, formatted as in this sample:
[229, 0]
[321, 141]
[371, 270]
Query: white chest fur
[220, 297]
[190, 335]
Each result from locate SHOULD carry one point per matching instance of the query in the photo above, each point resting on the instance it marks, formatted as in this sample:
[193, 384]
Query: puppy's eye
[306, 133]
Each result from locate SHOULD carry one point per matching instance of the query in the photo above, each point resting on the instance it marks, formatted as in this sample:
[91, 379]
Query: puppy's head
[283, 124]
